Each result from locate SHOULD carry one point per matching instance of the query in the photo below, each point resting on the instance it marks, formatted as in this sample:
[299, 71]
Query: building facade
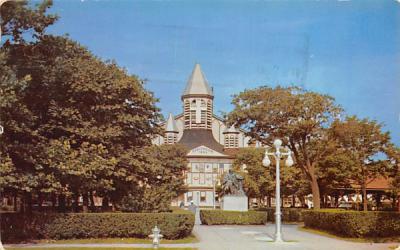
[211, 143]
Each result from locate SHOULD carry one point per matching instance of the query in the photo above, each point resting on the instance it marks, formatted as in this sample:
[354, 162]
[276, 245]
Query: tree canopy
[74, 124]
[300, 118]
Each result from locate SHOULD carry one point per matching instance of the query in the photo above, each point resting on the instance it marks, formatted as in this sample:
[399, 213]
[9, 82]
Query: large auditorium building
[211, 144]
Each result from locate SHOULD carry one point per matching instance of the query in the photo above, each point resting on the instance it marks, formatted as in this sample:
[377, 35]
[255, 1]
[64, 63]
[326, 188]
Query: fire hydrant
[156, 236]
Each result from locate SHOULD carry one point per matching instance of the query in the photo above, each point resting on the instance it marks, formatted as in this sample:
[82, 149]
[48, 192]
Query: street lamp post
[289, 162]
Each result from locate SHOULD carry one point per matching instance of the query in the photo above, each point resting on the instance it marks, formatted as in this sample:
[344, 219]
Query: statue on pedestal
[233, 184]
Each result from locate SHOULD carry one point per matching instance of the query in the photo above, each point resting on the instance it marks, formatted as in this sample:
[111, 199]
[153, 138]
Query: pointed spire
[171, 124]
[197, 83]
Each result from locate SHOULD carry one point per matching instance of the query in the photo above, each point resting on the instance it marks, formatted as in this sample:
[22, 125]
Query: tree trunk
[61, 203]
[302, 201]
[53, 202]
[364, 197]
[92, 205]
[104, 204]
[293, 201]
[28, 203]
[315, 193]
[378, 198]
[15, 202]
[75, 206]
[40, 202]
[22, 204]
[85, 202]
[269, 201]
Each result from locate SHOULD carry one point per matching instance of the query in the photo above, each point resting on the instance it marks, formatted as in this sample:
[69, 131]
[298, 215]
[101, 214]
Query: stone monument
[234, 198]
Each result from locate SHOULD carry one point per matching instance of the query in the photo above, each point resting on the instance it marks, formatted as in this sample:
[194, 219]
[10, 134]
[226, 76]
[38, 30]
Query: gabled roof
[197, 83]
[193, 138]
[171, 124]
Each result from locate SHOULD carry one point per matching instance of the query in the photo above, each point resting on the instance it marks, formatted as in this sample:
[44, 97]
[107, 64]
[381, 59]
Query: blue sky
[347, 49]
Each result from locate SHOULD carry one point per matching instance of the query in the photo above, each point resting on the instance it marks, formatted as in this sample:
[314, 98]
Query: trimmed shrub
[18, 227]
[220, 217]
[288, 214]
[354, 223]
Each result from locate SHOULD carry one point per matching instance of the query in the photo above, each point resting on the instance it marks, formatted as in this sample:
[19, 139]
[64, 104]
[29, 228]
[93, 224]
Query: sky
[347, 49]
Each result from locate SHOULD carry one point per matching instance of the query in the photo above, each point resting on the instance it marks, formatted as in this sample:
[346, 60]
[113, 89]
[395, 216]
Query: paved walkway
[246, 238]
[260, 237]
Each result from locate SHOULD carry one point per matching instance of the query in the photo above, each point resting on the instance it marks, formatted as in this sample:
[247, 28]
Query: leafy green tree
[363, 141]
[298, 117]
[294, 183]
[393, 153]
[18, 19]
[71, 114]
[80, 170]
[335, 171]
[160, 173]
[258, 180]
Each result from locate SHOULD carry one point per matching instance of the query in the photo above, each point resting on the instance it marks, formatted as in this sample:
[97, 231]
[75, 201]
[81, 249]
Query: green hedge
[220, 217]
[354, 223]
[288, 214]
[19, 227]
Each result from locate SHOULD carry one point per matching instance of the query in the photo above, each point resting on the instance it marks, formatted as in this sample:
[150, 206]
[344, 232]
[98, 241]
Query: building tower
[231, 138]
[197, 101]
[171, 131]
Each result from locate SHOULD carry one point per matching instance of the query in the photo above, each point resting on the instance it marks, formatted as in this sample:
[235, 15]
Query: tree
[160, 171]
[80, 170]
[299, 117]
[18, 19]
[363, 140]
[334, 172]
[258, 180]
[393, 153]
[91, 112]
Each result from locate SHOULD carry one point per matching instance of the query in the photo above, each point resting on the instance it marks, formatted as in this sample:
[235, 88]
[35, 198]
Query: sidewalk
[260, 237]
[102, 245]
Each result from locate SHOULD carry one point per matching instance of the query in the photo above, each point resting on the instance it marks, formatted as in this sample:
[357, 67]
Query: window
[170, 138]
[195, 167]
[208, 167]
[201, 167]
[231, 141]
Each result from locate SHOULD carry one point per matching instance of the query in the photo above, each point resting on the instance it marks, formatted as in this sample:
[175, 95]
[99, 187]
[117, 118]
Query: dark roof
[193, 138]
[231, 151]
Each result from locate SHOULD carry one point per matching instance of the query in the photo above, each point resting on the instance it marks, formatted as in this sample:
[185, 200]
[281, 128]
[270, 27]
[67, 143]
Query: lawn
[96, 248]
[189, 239]
[363, 240]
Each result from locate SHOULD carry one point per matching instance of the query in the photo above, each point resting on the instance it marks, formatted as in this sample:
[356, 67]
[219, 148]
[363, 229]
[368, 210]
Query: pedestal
[235, 203]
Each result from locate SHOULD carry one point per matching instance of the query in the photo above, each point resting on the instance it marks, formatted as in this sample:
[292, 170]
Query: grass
[189, 239]
[362, 240]
[97, 248]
